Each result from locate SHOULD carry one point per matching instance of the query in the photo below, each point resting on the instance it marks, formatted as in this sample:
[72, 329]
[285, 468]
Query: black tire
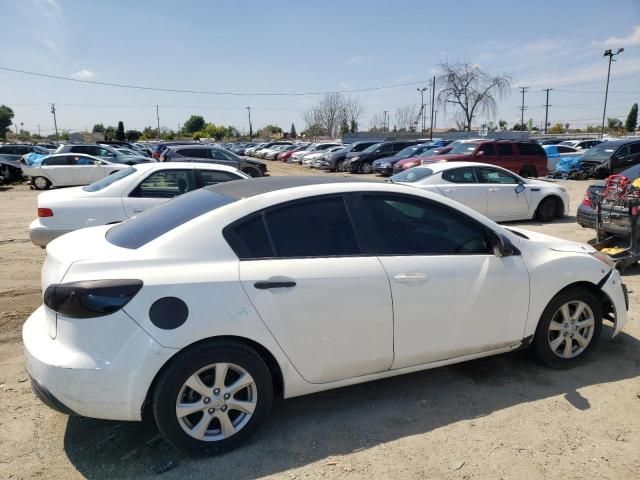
[41, 183]
[366, 168]
[183, 366]
[547, 210]
[252, 172]
[542, 340]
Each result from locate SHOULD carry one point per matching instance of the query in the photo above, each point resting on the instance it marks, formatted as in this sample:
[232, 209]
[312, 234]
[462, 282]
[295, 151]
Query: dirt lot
[502, 417]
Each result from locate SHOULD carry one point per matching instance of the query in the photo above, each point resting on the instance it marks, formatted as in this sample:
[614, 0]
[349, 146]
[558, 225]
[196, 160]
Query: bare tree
[470, 89]
[404, 117]
[377, 122]
[353, 110]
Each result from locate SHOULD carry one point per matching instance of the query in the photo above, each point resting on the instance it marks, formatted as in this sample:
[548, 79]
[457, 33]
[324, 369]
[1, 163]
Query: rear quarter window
[529, 149]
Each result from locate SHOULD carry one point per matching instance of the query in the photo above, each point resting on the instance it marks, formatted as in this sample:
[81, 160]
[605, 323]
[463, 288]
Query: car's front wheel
[569, 329]
[366, 168]
[213, 397]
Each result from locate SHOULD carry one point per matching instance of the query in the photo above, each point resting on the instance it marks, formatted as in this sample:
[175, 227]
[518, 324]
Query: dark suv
[335, 161]
[363, 161]
[611, 157]
[211, 154]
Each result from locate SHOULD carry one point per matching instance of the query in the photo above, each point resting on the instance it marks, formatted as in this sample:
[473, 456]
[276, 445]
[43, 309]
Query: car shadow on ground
[309, 429]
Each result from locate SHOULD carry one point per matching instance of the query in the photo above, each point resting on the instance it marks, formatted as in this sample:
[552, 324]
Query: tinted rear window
[157, 221]
[530, 149]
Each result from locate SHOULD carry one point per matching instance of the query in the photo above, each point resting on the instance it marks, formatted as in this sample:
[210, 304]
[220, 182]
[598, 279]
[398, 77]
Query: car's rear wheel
[340, 166]
[547, 210]
[213, 397]
[569, 328]
[252, 172]
[41, 183]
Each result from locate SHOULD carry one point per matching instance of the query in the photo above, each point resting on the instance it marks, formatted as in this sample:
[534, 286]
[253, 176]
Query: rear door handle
[267, 285]
[410, 278]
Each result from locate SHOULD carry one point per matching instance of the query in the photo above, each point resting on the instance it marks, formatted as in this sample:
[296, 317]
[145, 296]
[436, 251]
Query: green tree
[344, 126]
[614, 124]
[632, 119]
[132, 135]
[292, 132]
[193, 124]
[64, 136]
[353, 127]
[6, 120]
[270, 131]
[120, 131]
[148, 133]
[502, 124]
[98, 128]
[109, 133]
[556, 128]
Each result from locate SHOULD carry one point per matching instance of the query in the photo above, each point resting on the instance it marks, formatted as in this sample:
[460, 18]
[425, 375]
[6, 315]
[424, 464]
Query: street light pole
[610, 54]
[55, 123]
[433, 100]
[250, 126]
[546, 110]
[421, 90]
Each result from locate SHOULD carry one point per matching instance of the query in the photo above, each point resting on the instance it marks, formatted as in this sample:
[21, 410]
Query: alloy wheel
[571, 329]
[216, 402]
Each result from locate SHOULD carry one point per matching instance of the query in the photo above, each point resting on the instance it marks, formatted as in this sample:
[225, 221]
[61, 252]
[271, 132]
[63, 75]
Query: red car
[523, 157]
[407, 163]
[284, 156]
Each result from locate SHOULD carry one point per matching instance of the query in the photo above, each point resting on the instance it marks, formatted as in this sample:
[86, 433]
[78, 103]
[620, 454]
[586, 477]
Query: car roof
[172, 165]
[192, 145]
[440, 166]
[259, 186]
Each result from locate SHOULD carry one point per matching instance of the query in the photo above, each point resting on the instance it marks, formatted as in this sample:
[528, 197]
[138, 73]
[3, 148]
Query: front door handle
[267, 285]
[493, 189]
[410, 278]
[138, 210]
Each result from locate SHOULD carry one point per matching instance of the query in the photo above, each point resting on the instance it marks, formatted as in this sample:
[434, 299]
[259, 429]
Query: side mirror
[479, 153]
[520, 188]
[502, 246]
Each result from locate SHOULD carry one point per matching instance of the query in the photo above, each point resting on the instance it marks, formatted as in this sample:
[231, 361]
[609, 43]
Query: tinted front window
[413, 226]
[504, 149]
[211, 177]
[372, 148]
[109, 180]
[530, 149]
[600, 152]
[487, 149]
[359, 147]
[312, 228]
[463, 149]
[157, 221]
[492, 175]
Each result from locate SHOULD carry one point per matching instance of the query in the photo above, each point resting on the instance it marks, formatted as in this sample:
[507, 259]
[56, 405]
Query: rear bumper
[42, 236]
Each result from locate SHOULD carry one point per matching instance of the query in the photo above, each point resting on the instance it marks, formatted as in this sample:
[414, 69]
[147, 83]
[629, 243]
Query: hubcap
[216, 402]
[571, 329]
[366, 168]
[40, 182]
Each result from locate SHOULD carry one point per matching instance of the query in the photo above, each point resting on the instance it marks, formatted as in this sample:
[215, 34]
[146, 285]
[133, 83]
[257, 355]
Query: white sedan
[495, 192]
[204, 308]
[122, 195]
[67, 169]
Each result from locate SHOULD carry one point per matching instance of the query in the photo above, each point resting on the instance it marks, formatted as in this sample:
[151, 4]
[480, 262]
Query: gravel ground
[501, 417]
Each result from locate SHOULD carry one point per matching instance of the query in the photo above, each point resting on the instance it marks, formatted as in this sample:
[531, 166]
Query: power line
[206, 92]
[599, 93]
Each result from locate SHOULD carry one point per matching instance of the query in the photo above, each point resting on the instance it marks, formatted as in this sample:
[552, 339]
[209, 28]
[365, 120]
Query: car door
[86, 170]
[449, 290]
[461, 185]
[221, 157]
[326, 303]
[158, 187]
[208, 177]
[59, 170]
[506, 198]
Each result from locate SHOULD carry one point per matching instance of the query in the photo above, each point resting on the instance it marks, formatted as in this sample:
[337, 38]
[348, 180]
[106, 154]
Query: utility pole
[433, 100]
[55, 123]
[250, 126]
[522, 108]
[385, 122]
[435, 118]
[39, 134]
[158, 119]
[421, 90]
[610, 54]
[546, 110]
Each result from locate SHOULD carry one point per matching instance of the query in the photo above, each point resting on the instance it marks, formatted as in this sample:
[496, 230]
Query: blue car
[555, 153]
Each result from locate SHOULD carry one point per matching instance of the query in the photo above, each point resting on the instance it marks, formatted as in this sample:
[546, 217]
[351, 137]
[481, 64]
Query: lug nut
[226, 396]
[224, 408]
[211, 411]
[206, 400]
[564, 334]
[216, 391]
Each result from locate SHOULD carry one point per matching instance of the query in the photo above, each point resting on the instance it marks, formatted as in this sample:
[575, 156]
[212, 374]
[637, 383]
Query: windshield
[436, 151]
[600, 152]
[372, 148]
[109, 180]
[463, 149]
[412, 175]
[409, 151]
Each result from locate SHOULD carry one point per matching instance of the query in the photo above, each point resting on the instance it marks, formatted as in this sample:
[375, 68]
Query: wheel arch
[272, 364]
[559, 205]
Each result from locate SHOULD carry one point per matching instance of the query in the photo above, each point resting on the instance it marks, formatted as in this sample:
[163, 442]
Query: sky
[285, 46]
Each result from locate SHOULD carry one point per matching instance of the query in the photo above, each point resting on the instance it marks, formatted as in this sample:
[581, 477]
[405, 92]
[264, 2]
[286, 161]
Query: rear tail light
[587, 200]
[90, 298]
[45, 212]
